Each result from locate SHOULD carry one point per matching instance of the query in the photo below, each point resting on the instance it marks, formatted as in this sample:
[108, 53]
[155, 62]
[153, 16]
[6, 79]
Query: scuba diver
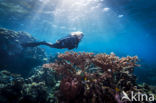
[69, 42]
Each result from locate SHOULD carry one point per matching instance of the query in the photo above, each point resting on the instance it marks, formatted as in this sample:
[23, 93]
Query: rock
[14, 57]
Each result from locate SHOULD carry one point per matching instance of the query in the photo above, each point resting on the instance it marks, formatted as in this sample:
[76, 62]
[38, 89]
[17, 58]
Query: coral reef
[35, 89]
[14, 57]
[89, 78]
[75, 78]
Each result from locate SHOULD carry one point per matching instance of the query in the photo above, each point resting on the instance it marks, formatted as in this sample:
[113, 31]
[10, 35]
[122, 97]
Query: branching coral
[71, 63]
[114, 63]
[95, 77]
[72, 85]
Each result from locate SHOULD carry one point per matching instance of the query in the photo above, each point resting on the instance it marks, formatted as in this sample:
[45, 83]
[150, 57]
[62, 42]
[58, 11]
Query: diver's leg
[34, 44]
[56, 45]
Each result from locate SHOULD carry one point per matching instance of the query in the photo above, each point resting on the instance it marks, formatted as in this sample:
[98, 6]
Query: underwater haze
[125, 27]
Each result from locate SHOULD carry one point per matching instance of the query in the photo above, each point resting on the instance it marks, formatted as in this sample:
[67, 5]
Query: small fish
[117, 89]
[69, 42]
[85, 78]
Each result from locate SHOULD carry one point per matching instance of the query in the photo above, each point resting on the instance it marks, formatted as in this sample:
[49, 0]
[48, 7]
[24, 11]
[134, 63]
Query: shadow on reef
[75, 78]
[14, 57]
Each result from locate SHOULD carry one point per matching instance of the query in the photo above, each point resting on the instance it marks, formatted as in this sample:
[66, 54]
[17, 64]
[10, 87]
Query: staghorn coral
[73, 61]
[81, 60]
[89, 78]
[114, 63]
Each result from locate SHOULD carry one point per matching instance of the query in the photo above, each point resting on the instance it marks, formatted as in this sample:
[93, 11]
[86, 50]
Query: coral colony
[89, 78]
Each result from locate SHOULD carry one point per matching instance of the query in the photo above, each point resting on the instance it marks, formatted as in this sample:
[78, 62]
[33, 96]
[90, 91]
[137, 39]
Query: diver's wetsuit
[69, 42]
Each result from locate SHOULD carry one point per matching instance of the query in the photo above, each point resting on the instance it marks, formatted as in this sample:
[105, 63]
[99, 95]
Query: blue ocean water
[125, 27]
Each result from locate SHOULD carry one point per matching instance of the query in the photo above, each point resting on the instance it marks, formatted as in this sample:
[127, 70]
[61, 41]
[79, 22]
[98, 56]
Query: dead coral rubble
[89, 78]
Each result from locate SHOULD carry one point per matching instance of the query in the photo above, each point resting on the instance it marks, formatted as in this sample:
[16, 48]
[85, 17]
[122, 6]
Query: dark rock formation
[14, 57]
